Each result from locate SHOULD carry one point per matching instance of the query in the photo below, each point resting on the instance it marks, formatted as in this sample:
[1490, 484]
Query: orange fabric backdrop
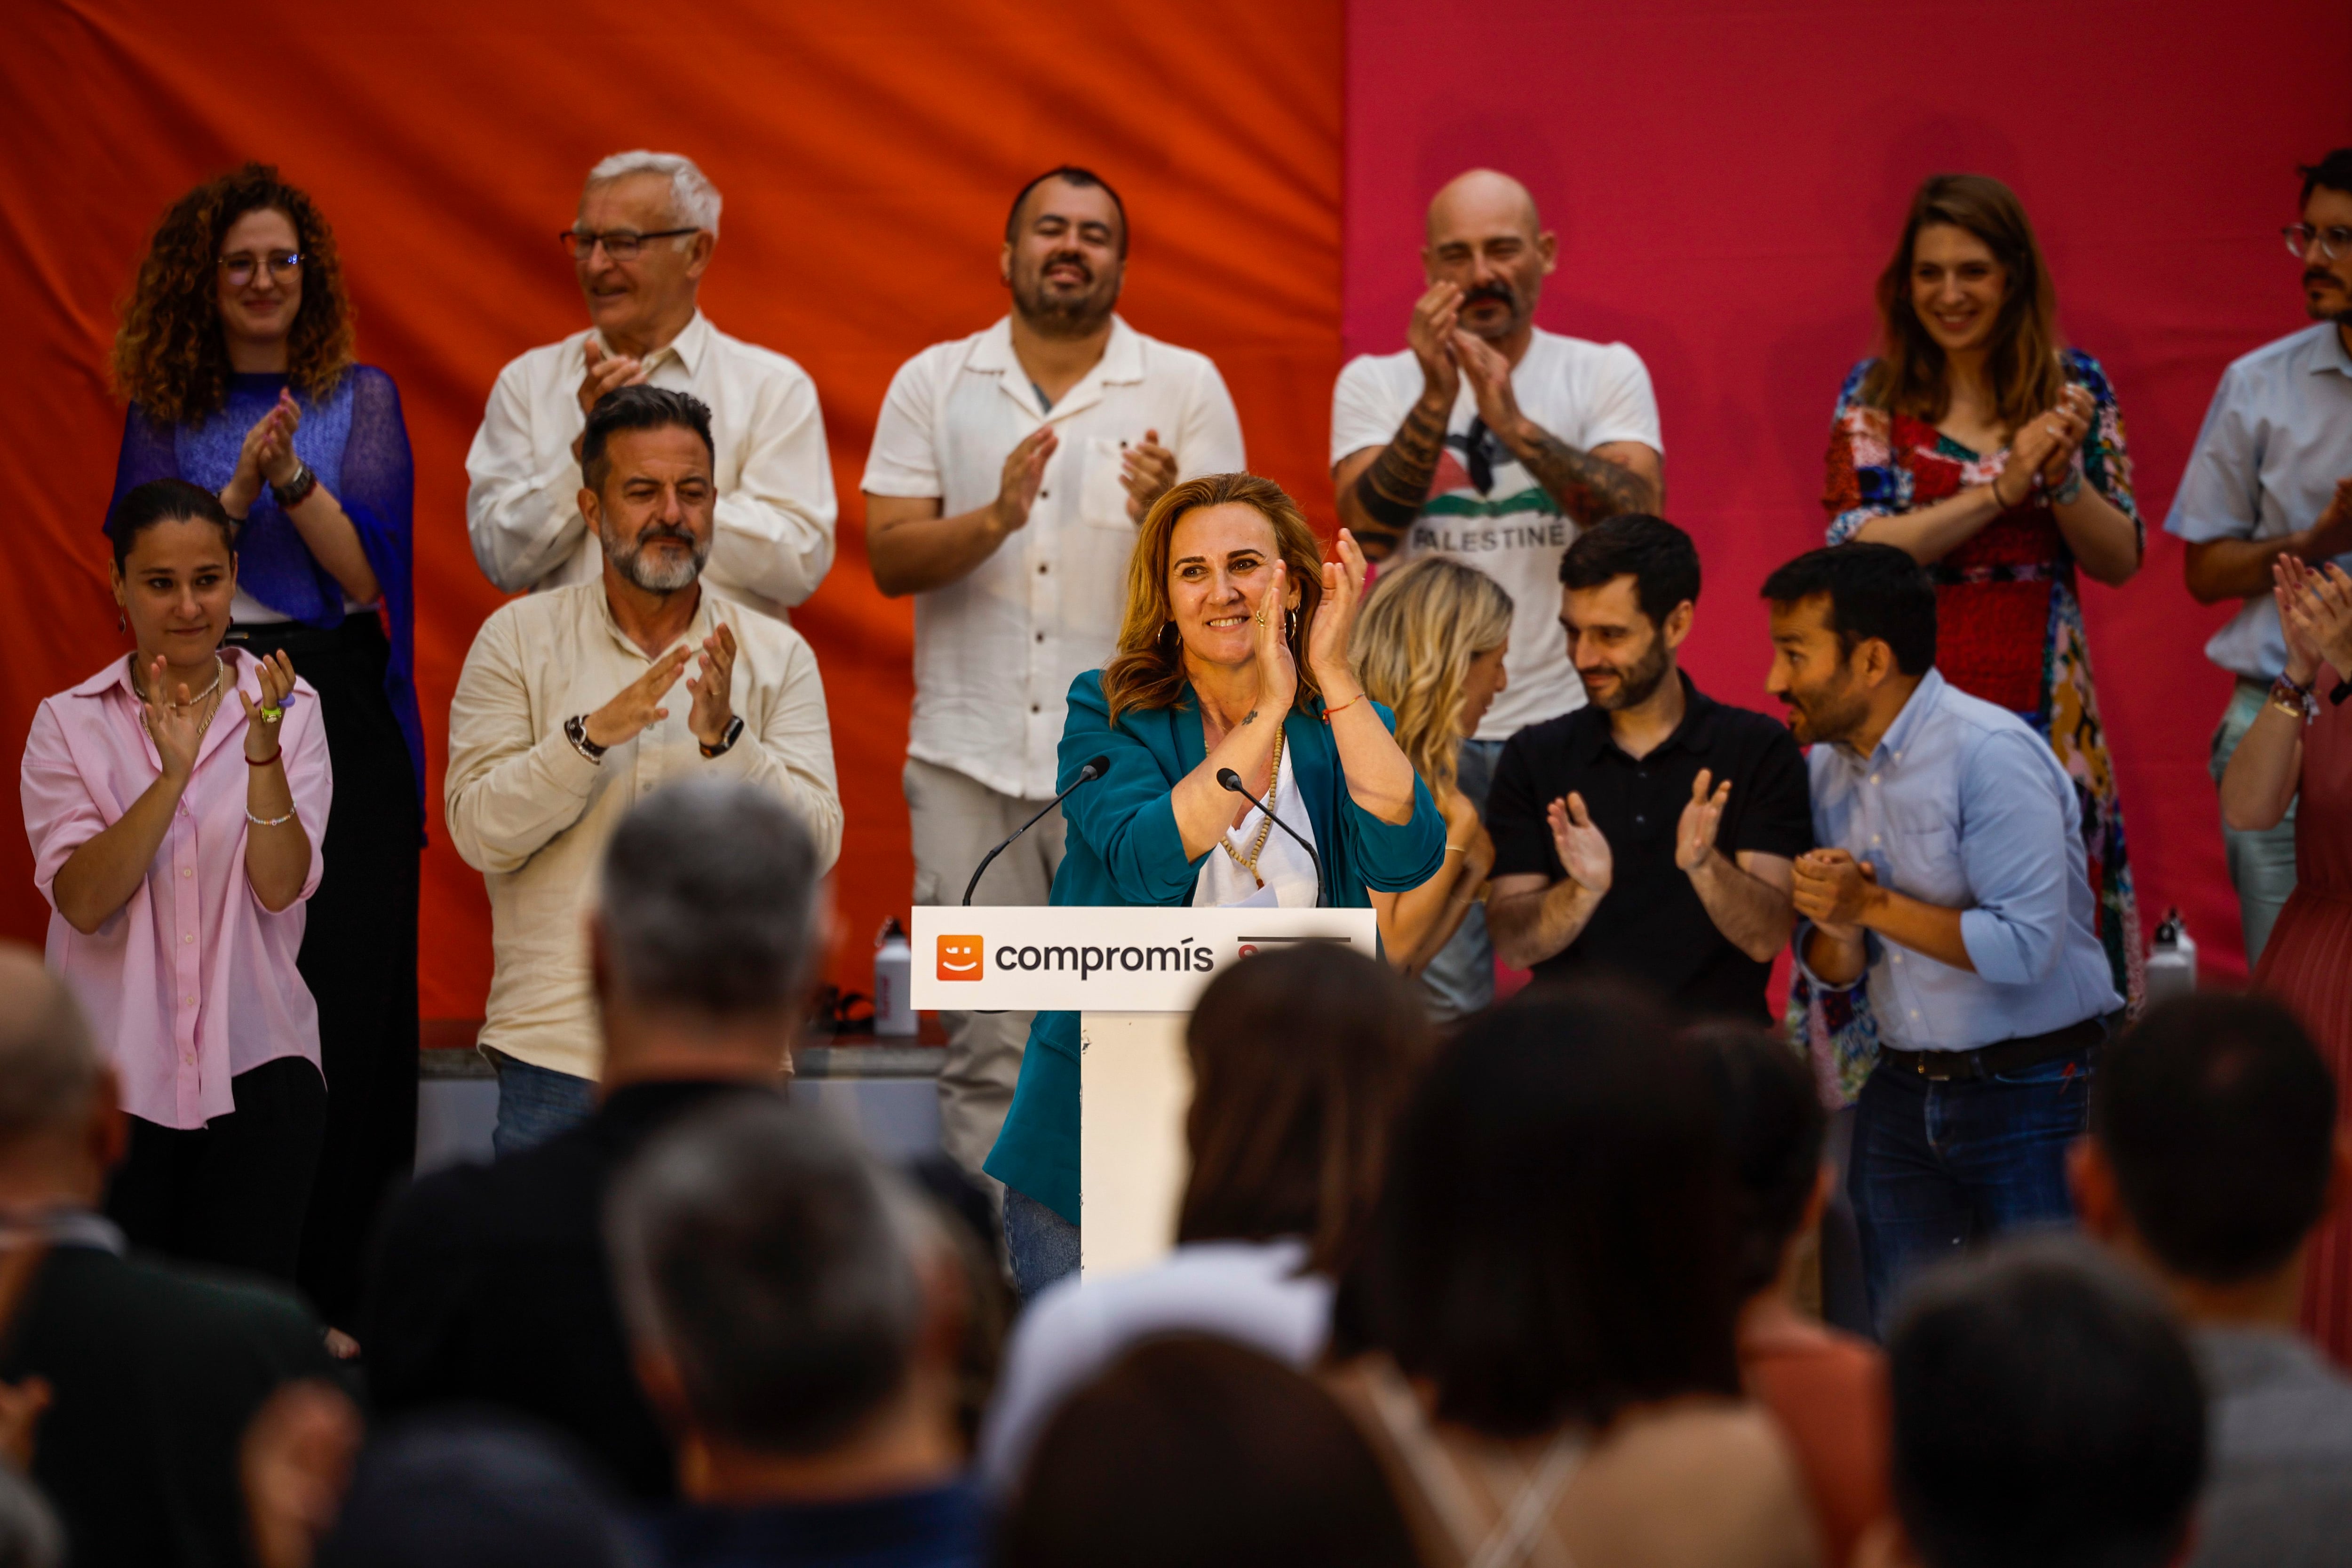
[866, 152]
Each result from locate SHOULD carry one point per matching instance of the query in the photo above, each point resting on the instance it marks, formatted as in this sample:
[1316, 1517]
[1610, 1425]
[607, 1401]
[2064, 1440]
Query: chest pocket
[1926, 856]
[1102, 496]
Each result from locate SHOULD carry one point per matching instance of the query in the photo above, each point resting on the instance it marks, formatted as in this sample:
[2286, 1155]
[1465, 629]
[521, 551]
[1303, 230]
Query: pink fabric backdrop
[1727, 182]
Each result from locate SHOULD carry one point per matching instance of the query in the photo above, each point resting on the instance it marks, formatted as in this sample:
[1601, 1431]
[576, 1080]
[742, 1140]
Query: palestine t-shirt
[1488, 511]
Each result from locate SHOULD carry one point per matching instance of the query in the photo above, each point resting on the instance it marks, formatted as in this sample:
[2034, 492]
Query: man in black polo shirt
[1652, 833]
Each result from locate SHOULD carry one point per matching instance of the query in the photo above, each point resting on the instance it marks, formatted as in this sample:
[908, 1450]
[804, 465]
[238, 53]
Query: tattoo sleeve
[1589, 488]
[1393, 490]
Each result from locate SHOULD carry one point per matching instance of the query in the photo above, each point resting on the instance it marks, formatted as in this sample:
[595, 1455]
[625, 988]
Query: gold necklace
[1273, 796]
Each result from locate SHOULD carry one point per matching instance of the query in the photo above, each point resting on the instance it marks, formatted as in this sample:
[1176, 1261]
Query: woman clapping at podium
[1231, 669]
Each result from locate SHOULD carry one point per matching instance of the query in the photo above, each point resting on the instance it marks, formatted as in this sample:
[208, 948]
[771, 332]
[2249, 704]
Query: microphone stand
[1232, 781]
[1092, 771]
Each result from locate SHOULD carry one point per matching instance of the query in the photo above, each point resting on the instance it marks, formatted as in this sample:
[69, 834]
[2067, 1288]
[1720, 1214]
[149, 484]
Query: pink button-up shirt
[191, 982]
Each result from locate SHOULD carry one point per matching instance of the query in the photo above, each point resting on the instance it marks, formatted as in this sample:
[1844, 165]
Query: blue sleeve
[2014, 848]
[1127, 817]
[1397, 856]
[379, 494]
[2220, 489]
[148, 453]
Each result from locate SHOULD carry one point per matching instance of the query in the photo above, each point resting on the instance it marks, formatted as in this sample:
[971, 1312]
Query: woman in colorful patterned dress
[1994, 454]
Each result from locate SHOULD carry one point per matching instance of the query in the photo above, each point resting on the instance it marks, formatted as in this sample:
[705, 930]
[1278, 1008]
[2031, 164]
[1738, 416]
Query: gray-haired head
[48, 1063]
[694, 200]
[708, 901]
[775, 1262]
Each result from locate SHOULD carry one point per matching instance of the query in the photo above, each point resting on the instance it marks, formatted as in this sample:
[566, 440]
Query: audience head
[243, 258]
[1628, 588]
[645, 462]
[1484, 237]
[30, 1535]
[174, 569]
[1554, 1240]
[60, 1128]
[1065, 254]
[472, 1489]
[1302, 1060]
[1430, 642]
[1201, 568]
[1967, 278]
[1854, 628]
[2213, 1151]
[1776, 1128]
[1194, 1450]
[785, 1293]
[2324, 242]
[2047, 1414]
[640, 289]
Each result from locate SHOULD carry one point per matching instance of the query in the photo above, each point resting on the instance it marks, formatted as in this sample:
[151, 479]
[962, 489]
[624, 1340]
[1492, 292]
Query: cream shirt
[996, 651]
[776, 509]
[533, 815]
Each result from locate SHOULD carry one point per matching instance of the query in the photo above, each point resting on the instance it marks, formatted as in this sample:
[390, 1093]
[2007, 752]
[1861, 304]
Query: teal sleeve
[1128, 816]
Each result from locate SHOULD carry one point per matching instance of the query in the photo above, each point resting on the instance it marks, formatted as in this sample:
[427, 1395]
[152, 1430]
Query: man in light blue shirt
[1951, 881]
[2272, 474]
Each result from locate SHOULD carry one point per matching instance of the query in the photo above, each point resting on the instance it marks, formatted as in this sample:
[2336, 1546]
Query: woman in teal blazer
[1233, 654]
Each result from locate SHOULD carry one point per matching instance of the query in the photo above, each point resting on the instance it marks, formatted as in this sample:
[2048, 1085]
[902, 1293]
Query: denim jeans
[1042, 1244]
[1936, 1166]
[536, 1103]
[2260, 862]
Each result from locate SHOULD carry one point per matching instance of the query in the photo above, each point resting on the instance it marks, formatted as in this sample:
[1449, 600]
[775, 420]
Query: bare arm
[1592, 487]
[101, 876]
[1747, 900]
[1380, 778]
[1532, 918]
[2266, 769]
[1932, 532]
[277, 857]
[1830, 885]
[2219, 569]
[1416, 924]
[1381, 488]
[2263, 774]
[912, 548]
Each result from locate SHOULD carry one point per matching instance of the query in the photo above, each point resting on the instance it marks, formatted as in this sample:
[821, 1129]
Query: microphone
[1231, 779]
[1094, 769]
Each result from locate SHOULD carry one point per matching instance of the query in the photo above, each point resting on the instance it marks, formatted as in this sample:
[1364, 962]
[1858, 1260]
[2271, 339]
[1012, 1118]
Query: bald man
[1492, 441]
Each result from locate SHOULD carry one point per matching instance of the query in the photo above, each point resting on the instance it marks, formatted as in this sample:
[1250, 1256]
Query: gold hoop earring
[1290, 625]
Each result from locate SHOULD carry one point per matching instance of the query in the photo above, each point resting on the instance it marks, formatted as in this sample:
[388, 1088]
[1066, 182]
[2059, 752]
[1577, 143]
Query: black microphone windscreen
[1228, 779]
[1096, 767]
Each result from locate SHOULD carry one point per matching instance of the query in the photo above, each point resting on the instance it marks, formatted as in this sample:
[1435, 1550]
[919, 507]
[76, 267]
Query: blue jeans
[536, 1103]
[1936, 1166]
[1042, 1244]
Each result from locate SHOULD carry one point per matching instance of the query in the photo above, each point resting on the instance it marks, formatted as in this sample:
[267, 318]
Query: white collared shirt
[995, 652]
[533, 815]
[773, 539]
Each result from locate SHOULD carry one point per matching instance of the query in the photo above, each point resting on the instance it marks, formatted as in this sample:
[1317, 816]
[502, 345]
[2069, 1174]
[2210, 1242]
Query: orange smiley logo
[959, 958]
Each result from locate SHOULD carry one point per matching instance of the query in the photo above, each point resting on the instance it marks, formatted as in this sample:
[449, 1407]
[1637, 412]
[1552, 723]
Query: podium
[1131, 975]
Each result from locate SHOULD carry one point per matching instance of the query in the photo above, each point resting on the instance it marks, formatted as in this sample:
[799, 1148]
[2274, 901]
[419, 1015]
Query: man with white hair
[648, 224]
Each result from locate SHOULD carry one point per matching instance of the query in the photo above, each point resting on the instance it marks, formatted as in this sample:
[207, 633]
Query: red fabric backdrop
[867, 153]
[1727, 182]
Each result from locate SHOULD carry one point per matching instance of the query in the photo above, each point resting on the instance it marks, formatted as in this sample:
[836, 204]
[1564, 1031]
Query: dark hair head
[1776, 1126]
[1302, 1060]
[1196, 1451]
[473, 1488]
[2334, 171]
[1554, 1240]
[761, 1248]
[169, 355]
[2217, 1117]
[639, 407]
[1069, 174]
[2047, 1413]
[164, 500]
[1658, 557]
[1876, 593]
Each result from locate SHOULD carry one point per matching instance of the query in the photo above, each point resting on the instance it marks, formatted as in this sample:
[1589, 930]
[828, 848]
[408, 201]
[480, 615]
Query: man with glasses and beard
[1492, 441]
[1008, 473]
[1653, 833]
[641, 243]
[2272, 475]
[576, 701]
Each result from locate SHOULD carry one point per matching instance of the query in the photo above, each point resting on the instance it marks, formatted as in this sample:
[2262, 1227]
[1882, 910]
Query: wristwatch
[296, 490]
[576, 731]
[726, 741]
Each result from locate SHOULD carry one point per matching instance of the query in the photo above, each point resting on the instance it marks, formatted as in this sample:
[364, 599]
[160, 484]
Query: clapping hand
[1277, 670]
[1583, 849]
[1834, 890]
[173, 723]
[711, 686]
[2315, 610]
[1490, 381]
[267, 454]
[275, 673]
[638, 703]
[1430, 335]
[1335, 620]
[1695, 836]
[1148, 469]
[1025, 475]
[604, 373]
[2069, 425]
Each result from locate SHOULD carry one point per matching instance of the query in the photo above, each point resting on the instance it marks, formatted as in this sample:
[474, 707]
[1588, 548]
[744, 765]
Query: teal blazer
[1121, 847]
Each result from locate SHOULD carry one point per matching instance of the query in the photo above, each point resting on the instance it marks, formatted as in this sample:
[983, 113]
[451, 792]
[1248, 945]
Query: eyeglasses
[240, 268]
[620, 244]
[2334, 242]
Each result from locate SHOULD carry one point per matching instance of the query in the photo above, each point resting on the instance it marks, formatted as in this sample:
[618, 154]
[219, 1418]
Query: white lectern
[1132, 975]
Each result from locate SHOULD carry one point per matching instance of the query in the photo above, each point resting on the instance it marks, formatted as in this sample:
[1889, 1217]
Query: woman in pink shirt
[174, 801]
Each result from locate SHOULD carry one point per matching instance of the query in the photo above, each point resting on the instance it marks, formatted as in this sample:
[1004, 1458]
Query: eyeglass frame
[571, 238]
[292, 267]
[2329, 249]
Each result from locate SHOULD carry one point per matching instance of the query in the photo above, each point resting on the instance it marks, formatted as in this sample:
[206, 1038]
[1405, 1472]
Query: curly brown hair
[170, 357]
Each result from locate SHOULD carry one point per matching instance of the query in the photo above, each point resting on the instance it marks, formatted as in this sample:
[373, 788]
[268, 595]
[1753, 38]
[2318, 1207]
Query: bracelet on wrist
[275, 754]
[2291, 700]
[1343, 707]
[269, 821]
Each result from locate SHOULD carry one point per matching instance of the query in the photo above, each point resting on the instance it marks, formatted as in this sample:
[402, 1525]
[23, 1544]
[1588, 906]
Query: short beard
[1835, 713]
[631, 563]
[1637, 685]
[1051, 315]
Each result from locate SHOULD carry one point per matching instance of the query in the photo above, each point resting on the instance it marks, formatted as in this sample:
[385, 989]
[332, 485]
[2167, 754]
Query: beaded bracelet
[2290, 698]
[268, 821]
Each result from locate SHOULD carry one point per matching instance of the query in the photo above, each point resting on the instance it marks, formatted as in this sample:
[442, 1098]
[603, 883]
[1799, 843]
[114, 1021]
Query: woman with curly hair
[1431, 645]
[235, 356]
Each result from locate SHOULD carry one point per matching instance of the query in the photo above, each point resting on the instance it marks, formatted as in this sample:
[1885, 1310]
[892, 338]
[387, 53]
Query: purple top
[357, 443]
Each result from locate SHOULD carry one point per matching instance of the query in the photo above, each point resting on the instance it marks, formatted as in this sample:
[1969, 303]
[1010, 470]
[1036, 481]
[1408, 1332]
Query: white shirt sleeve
[1365, 411]
[1211, 439]
[902, 460]
[773, 531]
[1622, 407]
[523, 518]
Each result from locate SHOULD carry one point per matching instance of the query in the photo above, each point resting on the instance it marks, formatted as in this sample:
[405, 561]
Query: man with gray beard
[576, 701]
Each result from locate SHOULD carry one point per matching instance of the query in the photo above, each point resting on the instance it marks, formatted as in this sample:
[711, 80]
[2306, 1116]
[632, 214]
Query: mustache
[666, 531]
[1500, 293]
[2321, 275]
[1066, 258]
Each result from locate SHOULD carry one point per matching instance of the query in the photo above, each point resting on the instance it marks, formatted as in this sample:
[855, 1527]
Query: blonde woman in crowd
[1431, 645]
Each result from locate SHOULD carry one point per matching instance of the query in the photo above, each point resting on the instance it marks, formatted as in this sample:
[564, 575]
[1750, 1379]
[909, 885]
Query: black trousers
[358, 951]
[234, 1191]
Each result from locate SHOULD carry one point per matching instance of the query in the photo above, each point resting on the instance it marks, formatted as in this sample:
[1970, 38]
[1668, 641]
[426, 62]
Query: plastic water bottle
[894, 971]
[2171, 961]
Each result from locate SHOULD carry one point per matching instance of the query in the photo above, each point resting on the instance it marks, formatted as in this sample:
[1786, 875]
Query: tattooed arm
[1613, 478]
[1380, 489]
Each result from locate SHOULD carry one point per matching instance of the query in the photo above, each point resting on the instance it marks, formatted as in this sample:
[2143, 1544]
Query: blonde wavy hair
[1148, 671]
[1419, 629]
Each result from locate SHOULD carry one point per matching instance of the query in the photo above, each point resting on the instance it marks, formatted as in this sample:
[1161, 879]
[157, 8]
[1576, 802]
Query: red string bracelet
[1343, 707]
[266, 760]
